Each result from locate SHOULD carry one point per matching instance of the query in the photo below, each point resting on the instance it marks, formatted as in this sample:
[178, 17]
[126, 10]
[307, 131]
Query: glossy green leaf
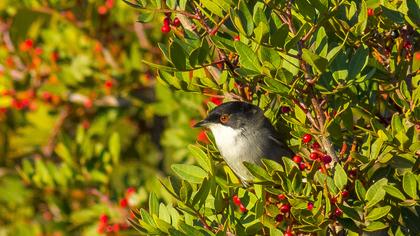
[393, 191]
[358, 62]
[377, 213]
[340, 177]
[191, 173]
[247, 57]
[316, 61]
[410, 185]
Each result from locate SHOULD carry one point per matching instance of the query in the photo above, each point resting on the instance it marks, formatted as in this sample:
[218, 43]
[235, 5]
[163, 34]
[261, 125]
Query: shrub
[338, 78]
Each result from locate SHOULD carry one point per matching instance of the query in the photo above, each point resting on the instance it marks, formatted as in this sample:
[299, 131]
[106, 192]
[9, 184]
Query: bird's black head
[233, 114]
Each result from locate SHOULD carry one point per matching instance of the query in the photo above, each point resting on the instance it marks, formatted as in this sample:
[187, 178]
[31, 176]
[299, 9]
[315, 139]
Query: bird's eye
[224, 118]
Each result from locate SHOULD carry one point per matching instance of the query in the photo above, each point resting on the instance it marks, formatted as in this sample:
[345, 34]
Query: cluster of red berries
[316, 154]
[166, 28]
[103, 9]
[237, 201]
[105, 226]
[284, 212]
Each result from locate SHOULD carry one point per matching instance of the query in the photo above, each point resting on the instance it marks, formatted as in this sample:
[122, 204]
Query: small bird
[243, 134]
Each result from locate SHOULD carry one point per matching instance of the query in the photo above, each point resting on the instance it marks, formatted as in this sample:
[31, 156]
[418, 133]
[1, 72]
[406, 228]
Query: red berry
[313, 156]
[38, 51]
[370, 12]
[29, 43]
[85, 124]
[130, 191]
[116, 227]
[108, 84]
[338, 212]
[408, 45]
[165, 29]
[310, 206]
[281, 196]
[302, 166]
[236, 200]
[109, 3]
[55, 56]
[417, 56]
[345, 193]
[123, 202]
[236, 38]
[102, 10]
[109, 228]
[47, 96]
[333, 200]
[242, 208]
[326, 159]
[103, 218]
[167, 21]
[297, 159]
[279, 218]
[88, 103]
[285, 208]
[306, 138]
[288, 233]
[202, 137]
[285, 109]
[315, 145]
[216, 100]
[176, 22]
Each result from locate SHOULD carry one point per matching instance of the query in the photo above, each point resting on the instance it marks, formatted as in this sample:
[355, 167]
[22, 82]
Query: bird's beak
[202, 123]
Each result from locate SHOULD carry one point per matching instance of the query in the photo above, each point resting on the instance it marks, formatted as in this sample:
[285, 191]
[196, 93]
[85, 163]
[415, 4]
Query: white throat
[226, 139]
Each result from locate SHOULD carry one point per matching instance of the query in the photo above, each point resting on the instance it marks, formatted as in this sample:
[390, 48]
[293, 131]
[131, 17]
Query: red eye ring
[224, 118]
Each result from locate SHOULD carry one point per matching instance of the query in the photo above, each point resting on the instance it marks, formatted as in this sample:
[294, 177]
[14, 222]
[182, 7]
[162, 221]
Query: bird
[244, 134]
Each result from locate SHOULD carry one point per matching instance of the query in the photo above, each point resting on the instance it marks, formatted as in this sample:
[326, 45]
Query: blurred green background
[85, 130]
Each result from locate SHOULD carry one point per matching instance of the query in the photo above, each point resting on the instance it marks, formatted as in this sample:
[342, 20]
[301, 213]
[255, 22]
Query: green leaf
[289, 164]
[153, 204]
[64, 154]
[158, 66]
[201, 196]
[340, 177]
[375, 226]
[242, 19]
[359, 28]
[115, 147]
[360, 190]
[378, 213]
[278, 38]
[190, 173]
[177, 55]
[257, 171]
[375, 193]
[202, 159]
[358, 62]
[272, 165]
[393, 191]
[276, 86]
[316, 61]
[261, 33]
[145, 16]
[247, 57]
[164, 213]
[410, 185]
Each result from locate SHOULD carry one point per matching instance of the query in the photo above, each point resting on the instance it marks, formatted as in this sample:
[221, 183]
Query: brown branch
[48, 150]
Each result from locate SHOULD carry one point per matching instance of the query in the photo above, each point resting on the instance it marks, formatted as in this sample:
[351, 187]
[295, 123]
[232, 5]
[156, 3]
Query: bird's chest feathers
[230, 142]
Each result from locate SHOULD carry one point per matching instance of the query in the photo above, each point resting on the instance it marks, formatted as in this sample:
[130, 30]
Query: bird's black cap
[236, 111]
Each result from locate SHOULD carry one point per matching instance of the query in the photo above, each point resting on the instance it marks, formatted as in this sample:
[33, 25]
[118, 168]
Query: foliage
[344, 72]
[83, 122]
